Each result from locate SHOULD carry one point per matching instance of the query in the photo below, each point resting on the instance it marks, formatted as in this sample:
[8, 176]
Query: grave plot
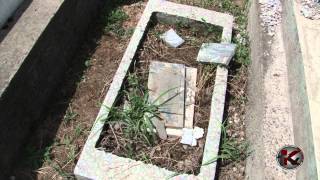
[179, 87]
[95, 163]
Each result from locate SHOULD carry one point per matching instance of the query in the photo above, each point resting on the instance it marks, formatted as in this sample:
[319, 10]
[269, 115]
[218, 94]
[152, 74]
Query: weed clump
[136, 114]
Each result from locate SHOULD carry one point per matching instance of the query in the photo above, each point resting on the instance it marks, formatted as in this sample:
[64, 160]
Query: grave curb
[97, 164]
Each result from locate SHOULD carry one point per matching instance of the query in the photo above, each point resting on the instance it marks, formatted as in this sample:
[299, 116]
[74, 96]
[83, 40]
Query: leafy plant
[230, 149]
[138, 113]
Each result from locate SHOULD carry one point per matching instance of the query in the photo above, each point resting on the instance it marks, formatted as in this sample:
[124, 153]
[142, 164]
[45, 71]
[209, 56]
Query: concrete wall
[38, 76]
[7, 8]
[303, 135]
[255, 112]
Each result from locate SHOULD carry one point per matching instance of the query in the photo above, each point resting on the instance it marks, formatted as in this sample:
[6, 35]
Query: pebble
[116, 126]
[310, 9]
[270, 15]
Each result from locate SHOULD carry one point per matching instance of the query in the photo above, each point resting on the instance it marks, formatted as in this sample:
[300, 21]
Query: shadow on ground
[37, 149]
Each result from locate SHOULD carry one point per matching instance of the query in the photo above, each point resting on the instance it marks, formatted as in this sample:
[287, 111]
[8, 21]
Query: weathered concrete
[278, 113]
[7, 8]
[269, 121]
[97, 164]
[302, 37]
[33, 58]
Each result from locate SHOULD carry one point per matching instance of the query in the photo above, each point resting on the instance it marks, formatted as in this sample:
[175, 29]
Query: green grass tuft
[113, 22]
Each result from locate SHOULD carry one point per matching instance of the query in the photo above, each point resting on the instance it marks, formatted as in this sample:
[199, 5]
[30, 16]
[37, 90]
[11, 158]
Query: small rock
[198, 132]
[190, 136]
[306, 12]
[185, 147]
[116, 126]
[171, 38]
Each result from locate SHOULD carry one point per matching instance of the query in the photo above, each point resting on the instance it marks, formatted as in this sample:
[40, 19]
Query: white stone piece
[216, 53]
[187, 136]
[172, 39]
[190, 136]
[174, 132]
[198, 132]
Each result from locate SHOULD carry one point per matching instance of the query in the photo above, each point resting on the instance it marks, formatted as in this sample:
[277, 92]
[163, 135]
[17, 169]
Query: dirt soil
[56, 142]
[170, 154]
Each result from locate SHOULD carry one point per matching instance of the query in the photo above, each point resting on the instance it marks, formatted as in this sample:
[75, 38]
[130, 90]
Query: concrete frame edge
[98, 167]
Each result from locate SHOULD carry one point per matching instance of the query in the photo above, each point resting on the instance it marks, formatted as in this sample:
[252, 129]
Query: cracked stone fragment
[172, 39]
[166, 84]
[216, 53]
[161, 130]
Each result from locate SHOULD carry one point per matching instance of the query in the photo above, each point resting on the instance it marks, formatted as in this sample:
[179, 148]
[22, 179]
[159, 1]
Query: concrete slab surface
[166, 84]
[22, 37]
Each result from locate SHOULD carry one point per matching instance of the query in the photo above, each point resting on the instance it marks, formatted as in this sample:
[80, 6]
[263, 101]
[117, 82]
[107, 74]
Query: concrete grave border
[97, 164]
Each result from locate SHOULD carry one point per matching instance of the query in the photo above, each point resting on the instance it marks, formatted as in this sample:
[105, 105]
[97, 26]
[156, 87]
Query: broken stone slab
[166, 86]
[172, 39]
[160, 127]
[191, 87]
[190, 136]
[174, 132]
[216, 53]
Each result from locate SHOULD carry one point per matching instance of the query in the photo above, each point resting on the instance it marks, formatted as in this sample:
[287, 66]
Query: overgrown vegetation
[135, 117]
[113, 22]
[230, 148]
